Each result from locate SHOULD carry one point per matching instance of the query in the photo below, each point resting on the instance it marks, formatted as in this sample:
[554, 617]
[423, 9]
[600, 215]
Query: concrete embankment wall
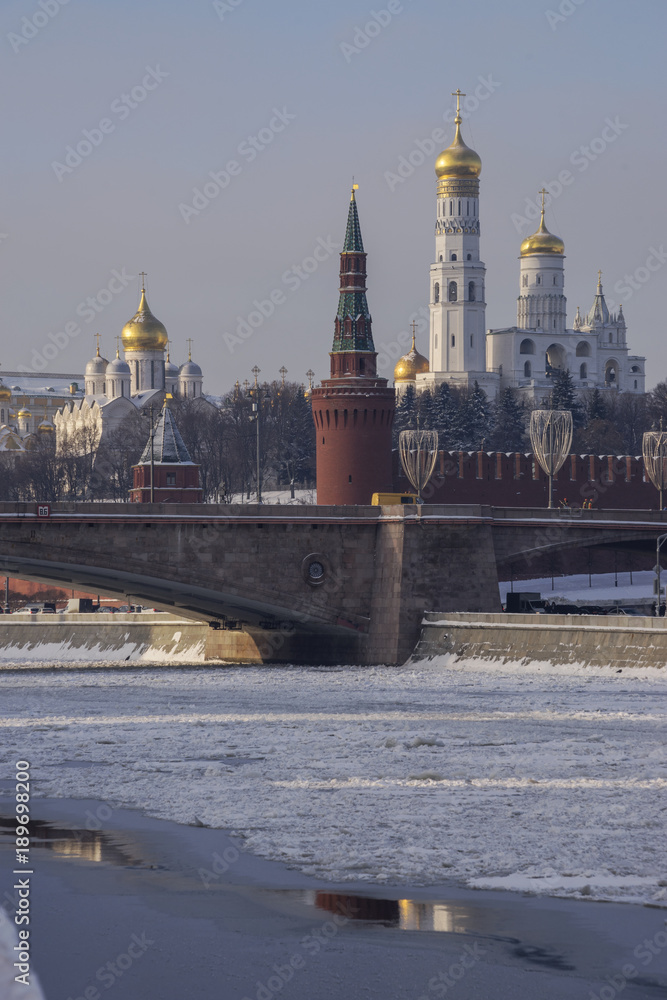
[46, 640]
[589, 640]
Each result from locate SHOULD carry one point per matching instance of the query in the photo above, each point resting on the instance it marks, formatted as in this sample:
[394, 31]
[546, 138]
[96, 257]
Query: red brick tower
[353, 410]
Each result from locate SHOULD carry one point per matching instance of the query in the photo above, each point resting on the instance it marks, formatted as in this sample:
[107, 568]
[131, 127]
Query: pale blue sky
[554, 84]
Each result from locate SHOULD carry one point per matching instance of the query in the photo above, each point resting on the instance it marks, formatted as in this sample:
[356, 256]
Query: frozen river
[541, 779]
[371, 811]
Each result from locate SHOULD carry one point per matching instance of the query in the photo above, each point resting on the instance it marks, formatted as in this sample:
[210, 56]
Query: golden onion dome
[23, 414]
[410, 365]
[5, 393]
[46, 427]
[458, 160]
[542, 241]
[144, 332]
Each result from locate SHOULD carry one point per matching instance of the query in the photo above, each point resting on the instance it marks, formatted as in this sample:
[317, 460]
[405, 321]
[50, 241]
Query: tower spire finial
[599, 281]
[97, 338]
[414, 333]
[118, 346]
[355, 187]
[143, 276]
[189, 343]
[543, 192]
[458, 94]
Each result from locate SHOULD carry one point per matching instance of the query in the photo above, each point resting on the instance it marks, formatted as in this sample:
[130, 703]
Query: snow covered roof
[168, 445]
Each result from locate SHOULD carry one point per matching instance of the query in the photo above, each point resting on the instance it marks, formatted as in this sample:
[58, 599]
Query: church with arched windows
[527, 356]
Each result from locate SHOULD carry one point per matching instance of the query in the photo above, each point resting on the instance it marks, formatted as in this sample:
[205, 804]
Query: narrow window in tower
[441, 258]
[471, 339]
[527, 369]
[459, 208]
[467, 208]
[538, 280]
[583, 371]
[349, 479]
[469, 257]
[635, 383]
[554, 324]
[362, 365]
[453, 341]
[452, 291]
[524, 280]
[322, 440]
[555, 279]
[451, 208]
[471, 291]
[453, 257]
[436, 292]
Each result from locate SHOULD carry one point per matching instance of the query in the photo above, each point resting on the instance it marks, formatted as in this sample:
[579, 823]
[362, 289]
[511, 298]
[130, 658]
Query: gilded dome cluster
[144, 332]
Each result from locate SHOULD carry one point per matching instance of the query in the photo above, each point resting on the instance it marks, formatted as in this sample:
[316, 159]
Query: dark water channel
[98, 882]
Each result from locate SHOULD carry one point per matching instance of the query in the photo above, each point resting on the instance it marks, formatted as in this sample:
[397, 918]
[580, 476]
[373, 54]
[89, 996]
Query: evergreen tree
[509, 429]
[476, 420]
[595, 406]
[564, 396]
[425, 410]
[406, 412]
[447, 417]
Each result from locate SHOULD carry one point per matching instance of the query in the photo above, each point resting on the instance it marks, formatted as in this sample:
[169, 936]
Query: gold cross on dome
[458, 94]
[543, 192]
[143, 276]
[189, 343]
[599, 277]
[97, 338]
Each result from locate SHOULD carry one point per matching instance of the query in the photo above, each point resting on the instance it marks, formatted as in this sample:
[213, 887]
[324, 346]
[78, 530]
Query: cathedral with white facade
[118, 388]
[526, 356]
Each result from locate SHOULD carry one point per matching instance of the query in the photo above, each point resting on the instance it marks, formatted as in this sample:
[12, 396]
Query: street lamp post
[255, 414]
[152, 457]
[6, 595]
[658, 545]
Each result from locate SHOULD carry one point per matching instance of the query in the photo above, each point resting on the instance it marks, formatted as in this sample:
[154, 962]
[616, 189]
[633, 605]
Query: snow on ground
[605, 587]
[64, 654]
[535, 777]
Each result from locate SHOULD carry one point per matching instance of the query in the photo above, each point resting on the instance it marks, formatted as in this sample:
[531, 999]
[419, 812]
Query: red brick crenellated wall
[516, 480]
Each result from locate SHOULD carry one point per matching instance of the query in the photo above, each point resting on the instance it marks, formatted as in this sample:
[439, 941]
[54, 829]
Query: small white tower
[95, 374]
[541, 304]
[171, 376]
[190, 377]
[118, 377]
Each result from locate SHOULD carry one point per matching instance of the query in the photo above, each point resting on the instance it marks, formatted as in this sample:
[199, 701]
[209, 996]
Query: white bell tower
[457, 303]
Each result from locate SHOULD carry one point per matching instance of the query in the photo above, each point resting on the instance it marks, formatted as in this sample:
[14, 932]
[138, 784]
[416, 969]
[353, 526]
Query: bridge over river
[302, 583]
